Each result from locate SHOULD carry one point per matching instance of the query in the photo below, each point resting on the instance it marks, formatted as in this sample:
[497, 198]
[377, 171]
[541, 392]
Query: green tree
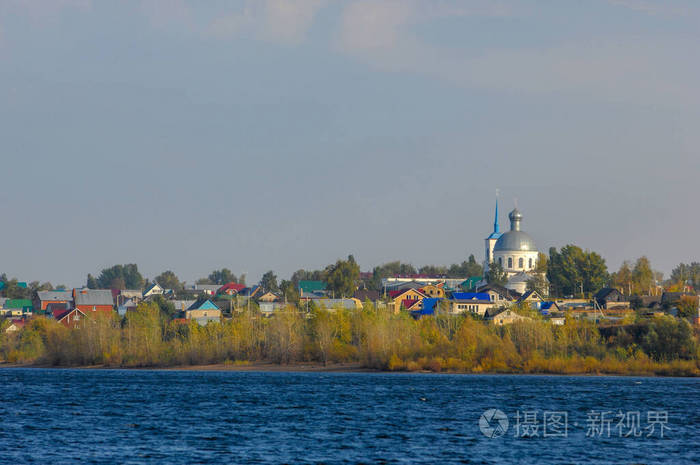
[669, 339]
[542, 262]
[341, 278]
[574, 271]
[169, 280]
[622, 278]
[642, 276]
[496, 275]
[388, 270]
[120, 277]
[269, 282]
[538, 283]
[467, 269]
[687, 275]
[91, 282]
[289, 291]
[221, 277]
[688, 307]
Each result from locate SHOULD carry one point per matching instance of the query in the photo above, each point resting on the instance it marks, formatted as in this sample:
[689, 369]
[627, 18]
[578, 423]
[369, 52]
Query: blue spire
[495, 220]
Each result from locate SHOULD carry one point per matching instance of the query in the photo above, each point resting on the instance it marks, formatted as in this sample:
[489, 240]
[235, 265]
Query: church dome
[515, 240]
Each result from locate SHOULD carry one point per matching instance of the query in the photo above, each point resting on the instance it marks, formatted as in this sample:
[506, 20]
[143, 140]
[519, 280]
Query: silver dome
[515, 240]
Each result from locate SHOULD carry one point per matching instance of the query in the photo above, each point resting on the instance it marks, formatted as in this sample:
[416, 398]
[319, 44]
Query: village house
[153, 290]
[365, 295]
[310, 289]
[202, 289]
[433, 290]
[405, 299]
[502, 317]
[269, 297]
[268, 308]
[531, 297]
[610, 298]
[128, 306]
[15, 325]
[203, 311]
[230, 289]
[69, 318]
[46, 298]
[333, 304]
[93, 300]
[17, 308]
[470, 302]
[499, 294]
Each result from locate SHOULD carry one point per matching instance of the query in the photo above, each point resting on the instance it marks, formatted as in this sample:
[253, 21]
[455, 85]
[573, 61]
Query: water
[122, 416]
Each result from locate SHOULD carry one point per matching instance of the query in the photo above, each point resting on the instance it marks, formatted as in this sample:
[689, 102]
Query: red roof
[231, 287]
[395, 294]
[408, 303]
[60, 314]
[18, 323]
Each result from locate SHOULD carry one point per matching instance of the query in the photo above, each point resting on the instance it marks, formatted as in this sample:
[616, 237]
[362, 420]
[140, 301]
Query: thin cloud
[642, 70]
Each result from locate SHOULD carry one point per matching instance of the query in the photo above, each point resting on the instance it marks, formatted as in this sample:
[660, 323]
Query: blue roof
[429, 305]
[203, 304]
[470, 296]
[494, 235]
[546, 305]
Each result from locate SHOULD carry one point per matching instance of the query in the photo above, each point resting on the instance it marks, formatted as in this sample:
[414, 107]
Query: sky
[258, 135]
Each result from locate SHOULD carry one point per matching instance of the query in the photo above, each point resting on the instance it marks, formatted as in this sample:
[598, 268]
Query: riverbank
[312, 367]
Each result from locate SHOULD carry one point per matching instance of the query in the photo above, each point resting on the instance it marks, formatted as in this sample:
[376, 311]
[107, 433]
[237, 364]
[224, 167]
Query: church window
[520, 262]
[500, 261]
[529, 263]
[510, 262]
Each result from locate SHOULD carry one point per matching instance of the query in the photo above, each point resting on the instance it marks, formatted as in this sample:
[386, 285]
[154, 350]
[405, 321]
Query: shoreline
[269, 367]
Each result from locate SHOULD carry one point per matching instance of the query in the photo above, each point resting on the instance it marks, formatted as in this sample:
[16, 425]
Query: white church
[513, 250]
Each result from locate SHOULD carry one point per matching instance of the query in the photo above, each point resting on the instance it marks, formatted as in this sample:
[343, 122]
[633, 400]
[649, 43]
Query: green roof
[470, 283]
[23, 285]
[19, 304]
[311, 286]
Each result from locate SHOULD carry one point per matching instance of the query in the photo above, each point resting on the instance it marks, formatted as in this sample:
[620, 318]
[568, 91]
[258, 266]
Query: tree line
[371, 337]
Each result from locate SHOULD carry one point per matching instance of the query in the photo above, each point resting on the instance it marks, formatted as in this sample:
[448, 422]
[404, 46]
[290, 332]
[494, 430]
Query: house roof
[366, 294]
[206, 287]
[348, 304]
[250, 291]
[604, 292]
[532, 293]
[395, 294]
[64, 313]
[55, 295]
[429, 305]
[152, 287]
[408, 304]
[505, 292]
[182, 304]
[470, 283]
[236, 287]
[93, 297]
[18, 303]
[311, 286]
[128, 303]
[203, 304]
[471, 296]
[548, 306]
[58, 306]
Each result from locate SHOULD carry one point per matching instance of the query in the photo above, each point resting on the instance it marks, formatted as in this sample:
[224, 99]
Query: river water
[140, 416]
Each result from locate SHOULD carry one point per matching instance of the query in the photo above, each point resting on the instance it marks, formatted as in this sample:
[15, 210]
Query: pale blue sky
[281, 135]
